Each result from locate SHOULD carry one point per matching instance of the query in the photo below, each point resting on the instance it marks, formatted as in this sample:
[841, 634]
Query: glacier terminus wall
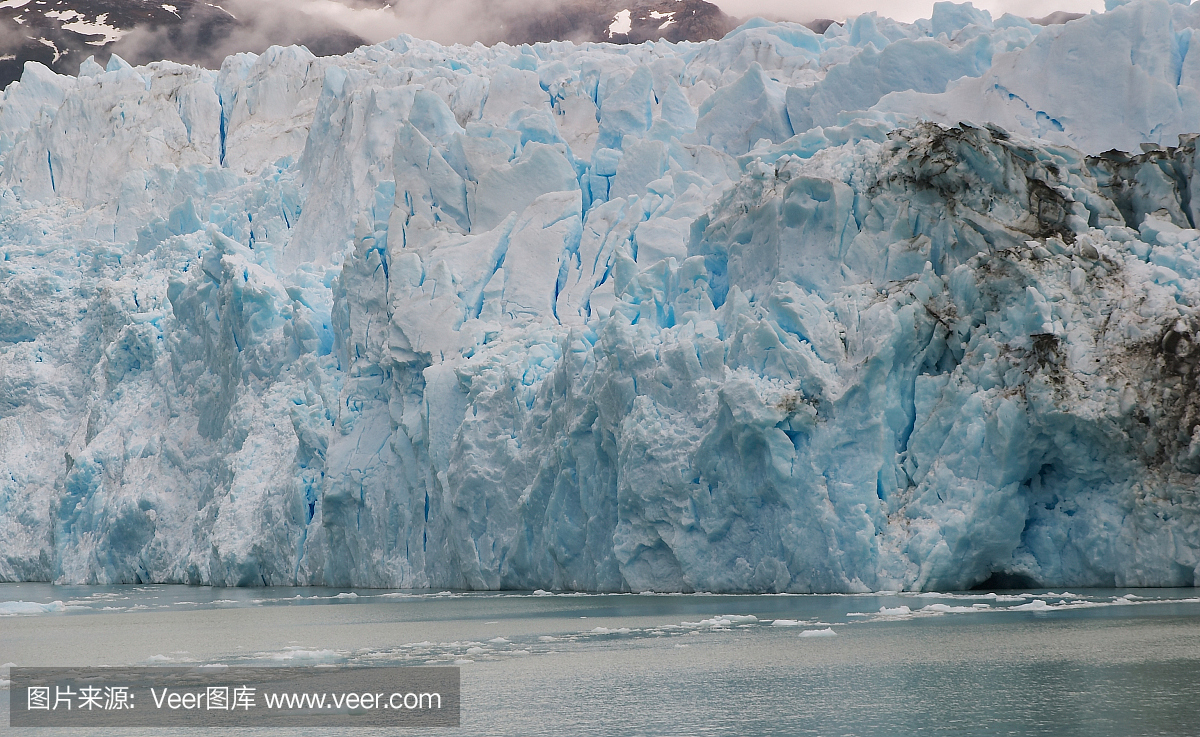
[899, 306]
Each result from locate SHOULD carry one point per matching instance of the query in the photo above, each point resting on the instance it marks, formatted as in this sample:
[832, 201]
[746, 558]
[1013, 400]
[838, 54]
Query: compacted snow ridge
[758, 314]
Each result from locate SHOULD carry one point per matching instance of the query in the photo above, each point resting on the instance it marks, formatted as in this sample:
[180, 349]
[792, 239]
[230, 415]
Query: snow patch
[622, 23]
[77, 23]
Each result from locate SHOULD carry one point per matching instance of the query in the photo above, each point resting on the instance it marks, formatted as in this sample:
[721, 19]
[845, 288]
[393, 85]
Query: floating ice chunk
[29, 607]
[895, 611]
[947, 609]
[1037, 605]
[305, 655]
[827, 632]
[724, 620]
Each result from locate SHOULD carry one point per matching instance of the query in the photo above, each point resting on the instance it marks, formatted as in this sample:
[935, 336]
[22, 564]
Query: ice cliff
[758, 314]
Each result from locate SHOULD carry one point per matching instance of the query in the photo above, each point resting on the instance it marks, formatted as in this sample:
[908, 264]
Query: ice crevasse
[876, 309]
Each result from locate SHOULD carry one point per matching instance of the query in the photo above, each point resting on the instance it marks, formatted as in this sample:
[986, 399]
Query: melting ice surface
[720, 317]
[1107, 663]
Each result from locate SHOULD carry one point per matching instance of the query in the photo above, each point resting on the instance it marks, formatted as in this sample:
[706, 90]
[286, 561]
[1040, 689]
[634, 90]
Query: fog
[334, 27]
[903, 10]
[266, 22]
[325, 26]
[467, 21]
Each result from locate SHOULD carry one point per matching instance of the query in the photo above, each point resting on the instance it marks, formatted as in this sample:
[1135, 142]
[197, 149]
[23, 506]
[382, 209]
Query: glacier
[895, 307]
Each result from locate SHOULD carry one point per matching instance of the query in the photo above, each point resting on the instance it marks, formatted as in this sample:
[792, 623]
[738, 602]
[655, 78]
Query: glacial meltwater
[1090, 662]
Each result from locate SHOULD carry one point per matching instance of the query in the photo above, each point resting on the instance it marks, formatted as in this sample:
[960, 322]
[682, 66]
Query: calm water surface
[1094, 663]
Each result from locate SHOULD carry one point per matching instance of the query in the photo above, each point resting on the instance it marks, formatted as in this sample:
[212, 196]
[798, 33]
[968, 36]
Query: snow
[47, 42]
[622, 23]
[722, 317]
[97, 27]
[670, 18]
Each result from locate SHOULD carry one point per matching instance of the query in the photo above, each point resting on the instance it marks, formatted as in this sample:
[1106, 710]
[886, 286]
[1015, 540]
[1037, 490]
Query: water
[1114, 663]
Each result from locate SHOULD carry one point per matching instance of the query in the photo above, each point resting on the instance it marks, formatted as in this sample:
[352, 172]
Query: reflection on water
[1094, 663]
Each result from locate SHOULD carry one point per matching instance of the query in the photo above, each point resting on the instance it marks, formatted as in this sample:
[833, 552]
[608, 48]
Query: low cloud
[209, 33]
[11, 39]
[902, 10]
[445, 21]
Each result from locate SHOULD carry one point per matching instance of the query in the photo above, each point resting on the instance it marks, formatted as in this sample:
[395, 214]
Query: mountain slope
[62, 33]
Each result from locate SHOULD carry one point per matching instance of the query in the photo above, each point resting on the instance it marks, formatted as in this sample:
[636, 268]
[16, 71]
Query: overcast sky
[905, 10]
